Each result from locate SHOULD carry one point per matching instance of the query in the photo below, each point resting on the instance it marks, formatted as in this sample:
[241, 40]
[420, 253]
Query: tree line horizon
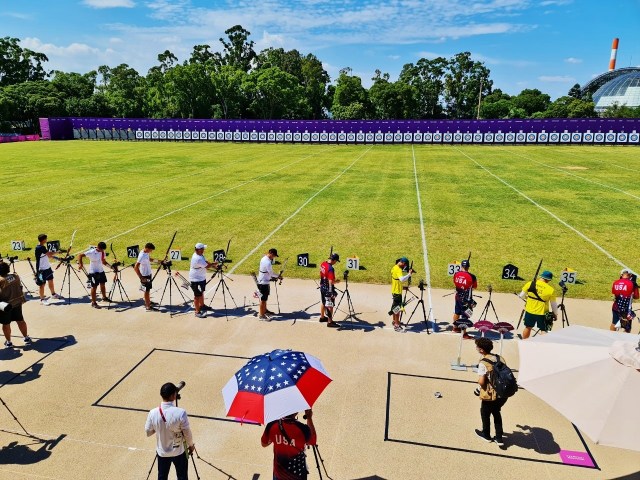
[237, 82]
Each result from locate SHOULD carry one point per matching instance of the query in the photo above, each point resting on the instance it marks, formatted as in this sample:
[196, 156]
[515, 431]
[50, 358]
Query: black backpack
[501, 378]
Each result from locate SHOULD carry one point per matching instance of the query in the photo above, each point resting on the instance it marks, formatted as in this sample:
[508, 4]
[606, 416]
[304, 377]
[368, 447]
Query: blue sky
[544, 44]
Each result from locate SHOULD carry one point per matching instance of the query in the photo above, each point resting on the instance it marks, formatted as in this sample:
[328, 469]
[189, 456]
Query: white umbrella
[590, 376]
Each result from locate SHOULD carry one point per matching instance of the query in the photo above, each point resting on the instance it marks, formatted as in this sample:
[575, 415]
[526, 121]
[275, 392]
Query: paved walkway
[87, 382]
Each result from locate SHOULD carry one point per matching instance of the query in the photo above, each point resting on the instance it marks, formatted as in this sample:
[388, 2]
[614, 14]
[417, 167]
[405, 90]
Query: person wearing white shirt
[265, 276]
[170, 424]
[43, 268]
[198, 277]
[143, 270]
[96, 273]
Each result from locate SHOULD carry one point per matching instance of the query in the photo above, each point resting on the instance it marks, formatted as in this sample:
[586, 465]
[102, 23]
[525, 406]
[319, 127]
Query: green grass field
[574, 207]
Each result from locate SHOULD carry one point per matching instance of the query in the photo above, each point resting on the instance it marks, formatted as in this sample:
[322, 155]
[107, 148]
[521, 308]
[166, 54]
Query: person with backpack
[496, 384]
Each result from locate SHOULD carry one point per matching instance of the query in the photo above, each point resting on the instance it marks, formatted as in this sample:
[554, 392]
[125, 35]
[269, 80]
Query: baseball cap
[274, 251]
[625, 270]
[404, 260]
[335, 256]
[200, 245]
[465, 263]
[547, 275]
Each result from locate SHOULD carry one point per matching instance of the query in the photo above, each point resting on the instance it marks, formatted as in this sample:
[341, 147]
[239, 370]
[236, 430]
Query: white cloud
[557, 79]
[19, 16]
[547, 3]
[393, 57]
[573, 60]
[109, 3]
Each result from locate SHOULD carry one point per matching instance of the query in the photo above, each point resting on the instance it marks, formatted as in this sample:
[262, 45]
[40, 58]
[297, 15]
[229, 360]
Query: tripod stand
[316, 455]
[485, 310]
[563, 309]
[351, 311]
[222, 285]
[117, 284]
[67, 277]
[169, 284]
[420, 299]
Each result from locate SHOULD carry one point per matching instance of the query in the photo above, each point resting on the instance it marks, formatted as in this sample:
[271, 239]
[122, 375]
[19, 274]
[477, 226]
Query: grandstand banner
[586, 131]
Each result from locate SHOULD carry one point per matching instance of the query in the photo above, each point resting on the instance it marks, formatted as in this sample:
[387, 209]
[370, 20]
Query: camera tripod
[222, 285]
[421, 287]
[563, 309]
[169, 283]
[68, 269]
[351, 311]
[485, 310]
[117, 284]
[316, 455]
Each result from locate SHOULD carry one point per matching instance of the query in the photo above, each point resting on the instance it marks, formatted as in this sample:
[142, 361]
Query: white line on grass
[120, 192]
[575, 175]
[553, 215]
[605, 162]
[273, 232]
[425, 251]
[242, 184]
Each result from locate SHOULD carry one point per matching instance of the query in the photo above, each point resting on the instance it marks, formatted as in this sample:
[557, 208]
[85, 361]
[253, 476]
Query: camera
[489, 288]
[563, 285]
[5, 307]
[345, 275]
[421, 284]
[166, 264]
[12, 259]
[116, 264]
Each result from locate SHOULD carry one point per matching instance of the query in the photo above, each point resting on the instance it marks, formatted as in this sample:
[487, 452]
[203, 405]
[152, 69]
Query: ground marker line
[425, 251]
[209, 197]
[273, 232]
[578, 232]
[606, 163]
[575, 175]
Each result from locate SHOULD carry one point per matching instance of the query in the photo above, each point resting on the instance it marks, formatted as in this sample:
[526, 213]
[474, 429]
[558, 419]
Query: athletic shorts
[264, 291]
[13, 315]
[396, 300]
[147, 286]
[45, 275]
[624, 323]
[462, 305]
[327, 297]
[98, 278]
[198, 288]
[532, 320]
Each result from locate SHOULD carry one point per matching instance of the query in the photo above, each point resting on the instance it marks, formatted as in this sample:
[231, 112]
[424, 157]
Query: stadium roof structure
[620, 86]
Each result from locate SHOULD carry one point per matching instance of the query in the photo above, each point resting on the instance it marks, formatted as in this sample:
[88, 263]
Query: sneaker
[323, 319]
[269, 312]
[106, 299]
[499, 441]
[466, 336]
[333, 325]
[95, 305]
[264, 318]
[43, 301]
[200, 315]
[57, 297]
[398, 328]
[8, 344]
[27, 340]
[152, 309]
[480, 434]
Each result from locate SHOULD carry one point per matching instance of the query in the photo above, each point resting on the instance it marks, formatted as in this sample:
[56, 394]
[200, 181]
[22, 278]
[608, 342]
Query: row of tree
[238, 82]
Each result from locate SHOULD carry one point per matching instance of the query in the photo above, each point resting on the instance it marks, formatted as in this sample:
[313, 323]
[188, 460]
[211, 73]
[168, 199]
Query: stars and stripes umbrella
[273, 385]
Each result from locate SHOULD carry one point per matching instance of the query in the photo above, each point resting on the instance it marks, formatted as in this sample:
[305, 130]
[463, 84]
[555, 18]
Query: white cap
[200, 245]
[625, 270]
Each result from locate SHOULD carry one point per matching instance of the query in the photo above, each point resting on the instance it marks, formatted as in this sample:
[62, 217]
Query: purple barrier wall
[18, 138]
[44, 128]
[583, 131]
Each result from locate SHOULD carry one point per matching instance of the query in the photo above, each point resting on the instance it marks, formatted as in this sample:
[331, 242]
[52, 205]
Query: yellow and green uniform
[545, 292]
[396, 284]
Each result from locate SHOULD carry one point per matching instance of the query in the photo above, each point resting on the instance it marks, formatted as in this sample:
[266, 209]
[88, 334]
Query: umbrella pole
[455, 364]
[155, 457]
